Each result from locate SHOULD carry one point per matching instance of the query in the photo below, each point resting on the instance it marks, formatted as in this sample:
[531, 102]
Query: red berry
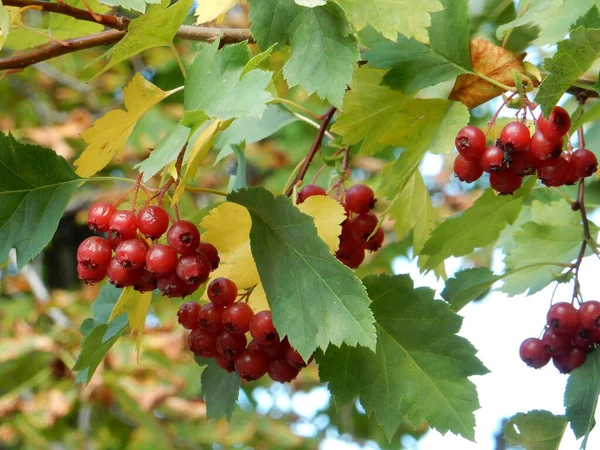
[309, 190]
[563, 318]
[231, 344]
[554, 172]
[262, 329]
[505, 182]
[210, 318]
[543, 147]
[193, 268]
[222, 291]
[187, 315]
[91, 276]
[277, 350]
[146, 282]
[360, 199]
[493, 160]
[467, 169]
[225, 363]
[515, 135]
[533, 353]
[211, 254]
[94, 253]
[376, 241]
[350, 254]
[572, 178]
[281, 371]
[121, 276]
[172, 286]
[572, 360]
[153, 221]
[470, 142]
[523, 163]
[252, 364]
[556, 344]
[123, 225]
[99, 216]
[557, 125]
[589, 315]
[184, 237]
[293, 358]
[584, 163]
[584, 338]
[202, 344]
[253, 345]
[161, 260]
[131, 253]
[236, 318]
[362, 225]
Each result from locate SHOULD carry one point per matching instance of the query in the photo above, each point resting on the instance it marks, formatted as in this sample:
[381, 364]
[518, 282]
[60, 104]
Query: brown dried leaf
[47, 407]
[494, 62]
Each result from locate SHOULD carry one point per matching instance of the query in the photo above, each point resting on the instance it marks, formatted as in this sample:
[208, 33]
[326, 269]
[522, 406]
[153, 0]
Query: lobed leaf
[535, 430]
[581, 395]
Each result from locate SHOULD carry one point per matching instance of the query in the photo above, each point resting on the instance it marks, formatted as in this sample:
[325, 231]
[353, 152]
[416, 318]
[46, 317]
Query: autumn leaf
[209, 10]
[108, 135]
[490, 61]
[5, 22]
[136, 304]
[228, 229]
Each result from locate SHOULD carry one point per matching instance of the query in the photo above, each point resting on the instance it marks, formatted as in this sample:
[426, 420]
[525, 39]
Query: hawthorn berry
[554, 172]
[534, 353]
[467, 169]
[543, 147]
[123, 225]
[94, 253]
[172, 286]
[493, 159]
[362, 226]
[131, 253]
[211, 254]
[187, 315]
[153, 221]
[279, 370]
[231, 344]
[309, 190]
[470, 142]
[210, 318]
[202, 344]
[99, 216]
[589, 314]
[563, 318]
[556, 344]
[225, 363]
[557, 125]
[523, 163]
[236, 318]
[351, 255]
[262, 329]
[293, 358]
[161, 260]
[568, 362]
[222, 291]
[184, 237]
[91, 276]
[505, 182]
[583, 162]
[276, 350]
[193, 268]
[516, 136]
[375, 242]
[120, 276]
[572, 178]
[360, 199]
[145, 282]
[252, 364]
[584, 338]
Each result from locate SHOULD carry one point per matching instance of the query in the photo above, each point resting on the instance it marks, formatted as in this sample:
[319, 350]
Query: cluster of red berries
[218, 330]
[177, 268]
[517, 154]
[568, 338]
[360, 224]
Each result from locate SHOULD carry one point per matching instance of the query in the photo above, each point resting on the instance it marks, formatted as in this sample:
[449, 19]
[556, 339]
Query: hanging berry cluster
[518, 154]
[360, 224]
[177, 268]
[569, 336]
[219, 328]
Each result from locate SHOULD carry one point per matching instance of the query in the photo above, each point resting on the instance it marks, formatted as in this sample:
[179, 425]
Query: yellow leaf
[5, 23]
[137, 306]
[108, 135]
[228, 229]
[209, 10]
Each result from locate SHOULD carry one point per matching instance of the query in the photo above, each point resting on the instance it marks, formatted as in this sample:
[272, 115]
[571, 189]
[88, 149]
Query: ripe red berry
[236, 318]
[556, 344]
[202, 344]
[523, 163]
[293, 358]
[211, 254]
[123, 225]
[375, 242]
[277, 350]
[231, 344]
[153, 221]
[568, 362]
[533, 353]
[493, 160]
[161, 260]
[187, 315]
[222, 291]
[281, 371]
[563, 318]
[584, 163]
[99, 216]
[131, 253]
[467, 169]
[193, 268]
[543, 147]
[252, 364]
[350, 254]
[94, 253]
[505, 182]
[360, 199]
[120, 276]
[572, 178]
[173, 287]
[252, 345]
[589, 315]
[309, 190]
[184, 237]
[362, 225]
[554, 172]
[557, 125]
[262, 329]
[584, 338]
[515, 135]
[91, 276]
[470, 142]
[225, 363]
[210, 318]
[146, 282]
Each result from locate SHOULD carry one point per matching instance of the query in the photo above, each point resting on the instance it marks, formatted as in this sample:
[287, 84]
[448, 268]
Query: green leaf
[35, 187]
[271, 20]
[310, 3]
[165, 152]
[157, 27]
[590, 114]
[391, 17]
[573, 58]
[105, 302]
[581, 395]
[239, 181]
[535, 430]
[232, 93]
[467, 285]
[220, 390]
[5, 24]
[323, 53]
[133, 5]
[420, 368]
[321, 301]
[478, 226]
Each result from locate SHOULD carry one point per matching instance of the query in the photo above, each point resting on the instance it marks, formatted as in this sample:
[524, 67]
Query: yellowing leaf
[209, 10]
[108, 135]
[228, 229]
[137, 305]
[5, 23]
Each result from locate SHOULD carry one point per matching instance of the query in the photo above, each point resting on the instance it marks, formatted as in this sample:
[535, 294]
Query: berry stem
[495, 116]
[313, 150]
[201, 190]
